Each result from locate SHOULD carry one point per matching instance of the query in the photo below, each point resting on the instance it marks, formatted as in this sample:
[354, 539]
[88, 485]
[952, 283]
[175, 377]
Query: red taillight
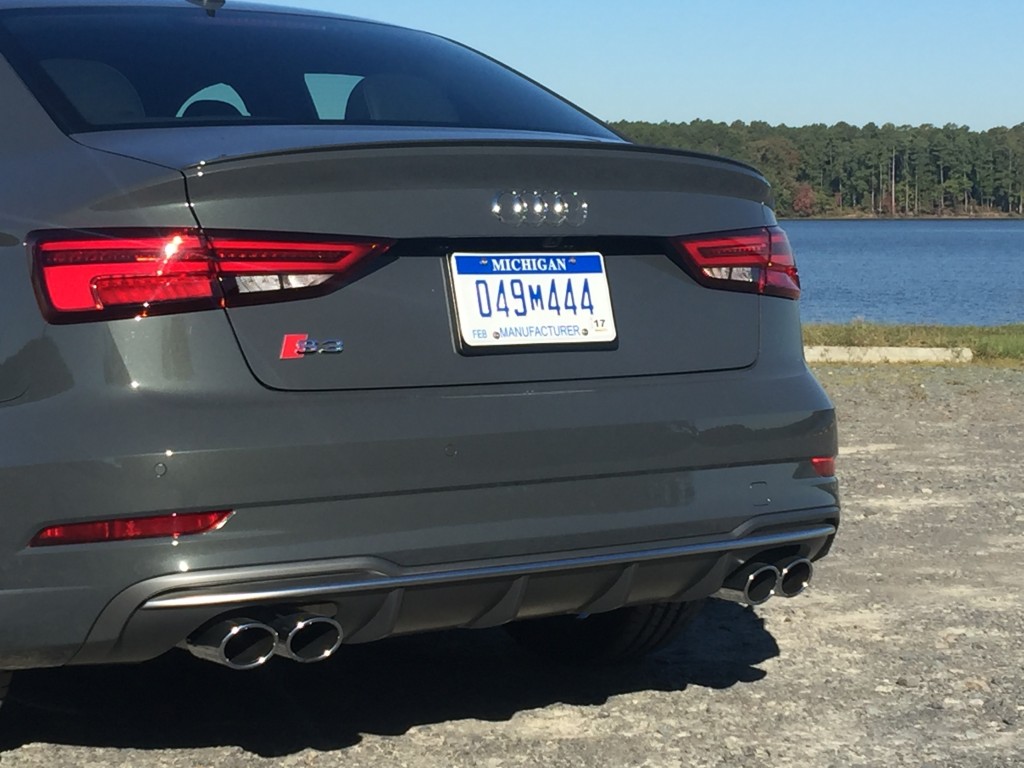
[825, 466]
[124, 529]
[753, 260]
[108, 276]
[94, 275]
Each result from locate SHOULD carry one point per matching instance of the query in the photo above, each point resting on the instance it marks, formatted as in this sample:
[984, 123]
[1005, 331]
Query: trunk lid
[403, 319]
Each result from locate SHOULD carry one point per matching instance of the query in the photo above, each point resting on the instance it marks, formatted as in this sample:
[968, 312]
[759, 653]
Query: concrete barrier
[888, 354]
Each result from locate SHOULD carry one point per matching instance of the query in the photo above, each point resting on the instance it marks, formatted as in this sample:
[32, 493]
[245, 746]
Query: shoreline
[997, 343]
[886, 355]
[922, 217]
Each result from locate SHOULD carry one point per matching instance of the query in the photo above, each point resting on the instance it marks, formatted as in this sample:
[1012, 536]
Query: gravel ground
[907, 651]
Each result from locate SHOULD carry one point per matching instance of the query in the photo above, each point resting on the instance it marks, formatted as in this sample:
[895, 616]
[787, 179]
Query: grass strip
[999, 342]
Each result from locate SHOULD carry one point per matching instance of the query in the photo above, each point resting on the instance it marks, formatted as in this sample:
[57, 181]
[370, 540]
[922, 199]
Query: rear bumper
[467, 557]
[434, 485]
[372, 598]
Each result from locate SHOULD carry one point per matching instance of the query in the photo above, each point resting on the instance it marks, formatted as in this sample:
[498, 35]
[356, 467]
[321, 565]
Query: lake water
[935, 271]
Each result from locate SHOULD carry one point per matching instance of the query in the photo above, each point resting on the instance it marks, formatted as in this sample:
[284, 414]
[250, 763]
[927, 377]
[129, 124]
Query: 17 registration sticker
[515, 299]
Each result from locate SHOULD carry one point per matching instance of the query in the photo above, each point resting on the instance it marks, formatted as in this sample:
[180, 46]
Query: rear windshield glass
[109, 68]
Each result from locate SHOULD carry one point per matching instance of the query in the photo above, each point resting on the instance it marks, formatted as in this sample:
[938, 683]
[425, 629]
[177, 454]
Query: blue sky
[792, 61]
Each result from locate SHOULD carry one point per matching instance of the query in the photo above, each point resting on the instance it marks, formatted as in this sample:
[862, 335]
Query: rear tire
[615, 637]
[5, 684]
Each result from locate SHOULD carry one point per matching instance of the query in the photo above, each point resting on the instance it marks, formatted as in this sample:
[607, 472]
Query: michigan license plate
[516, 299]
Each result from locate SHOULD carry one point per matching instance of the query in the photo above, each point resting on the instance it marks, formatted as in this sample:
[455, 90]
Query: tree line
[846, 170]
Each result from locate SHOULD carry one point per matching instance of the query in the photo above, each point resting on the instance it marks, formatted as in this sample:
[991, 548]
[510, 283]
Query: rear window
[110, 68]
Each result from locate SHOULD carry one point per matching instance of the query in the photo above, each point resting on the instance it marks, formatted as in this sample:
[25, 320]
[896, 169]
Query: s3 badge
[298, 345]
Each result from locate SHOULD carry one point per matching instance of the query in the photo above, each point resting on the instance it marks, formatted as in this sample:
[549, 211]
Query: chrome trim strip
[270, 593]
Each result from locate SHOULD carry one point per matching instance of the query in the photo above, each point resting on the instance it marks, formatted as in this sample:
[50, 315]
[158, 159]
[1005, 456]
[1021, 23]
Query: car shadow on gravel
[177, 702]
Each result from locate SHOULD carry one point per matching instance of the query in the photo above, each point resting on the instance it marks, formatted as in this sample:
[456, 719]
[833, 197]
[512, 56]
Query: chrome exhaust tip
[238, 643]
[752, 584]
[306, 637]
[794, 577]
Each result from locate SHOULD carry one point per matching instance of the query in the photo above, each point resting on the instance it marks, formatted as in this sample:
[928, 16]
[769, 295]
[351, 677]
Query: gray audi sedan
[316, 331]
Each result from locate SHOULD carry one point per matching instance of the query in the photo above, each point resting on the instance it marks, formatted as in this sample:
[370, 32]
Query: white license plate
[515, 299]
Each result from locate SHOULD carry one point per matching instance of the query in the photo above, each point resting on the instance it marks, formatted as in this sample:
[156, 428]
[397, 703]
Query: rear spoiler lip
[589, 144]
[135, 142]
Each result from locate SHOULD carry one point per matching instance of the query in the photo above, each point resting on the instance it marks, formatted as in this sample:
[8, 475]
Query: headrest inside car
[400, 99]
[100, 93]
[211, 108]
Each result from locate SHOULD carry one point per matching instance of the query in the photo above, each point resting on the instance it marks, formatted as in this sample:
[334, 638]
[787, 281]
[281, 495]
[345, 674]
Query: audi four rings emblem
[538, 208]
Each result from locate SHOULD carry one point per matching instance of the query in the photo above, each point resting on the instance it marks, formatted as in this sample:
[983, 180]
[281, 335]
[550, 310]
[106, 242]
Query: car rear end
[407, 362]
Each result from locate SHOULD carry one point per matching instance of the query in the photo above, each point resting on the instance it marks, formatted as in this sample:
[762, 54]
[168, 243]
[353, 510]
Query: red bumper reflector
[123, 529]
[824, 465]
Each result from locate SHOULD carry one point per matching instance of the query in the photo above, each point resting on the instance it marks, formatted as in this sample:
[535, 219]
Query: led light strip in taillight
[170, 525]
[752, 260]
[109, 276]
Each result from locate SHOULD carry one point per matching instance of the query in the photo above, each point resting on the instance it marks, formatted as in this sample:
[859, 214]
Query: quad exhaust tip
[755, 583]
[238, 643]
[752, 584]
[243, 643]
[306, 637]
[794, 577]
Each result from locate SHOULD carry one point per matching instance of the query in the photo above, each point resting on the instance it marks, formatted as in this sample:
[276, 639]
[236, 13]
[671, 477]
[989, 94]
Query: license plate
[517, 299]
